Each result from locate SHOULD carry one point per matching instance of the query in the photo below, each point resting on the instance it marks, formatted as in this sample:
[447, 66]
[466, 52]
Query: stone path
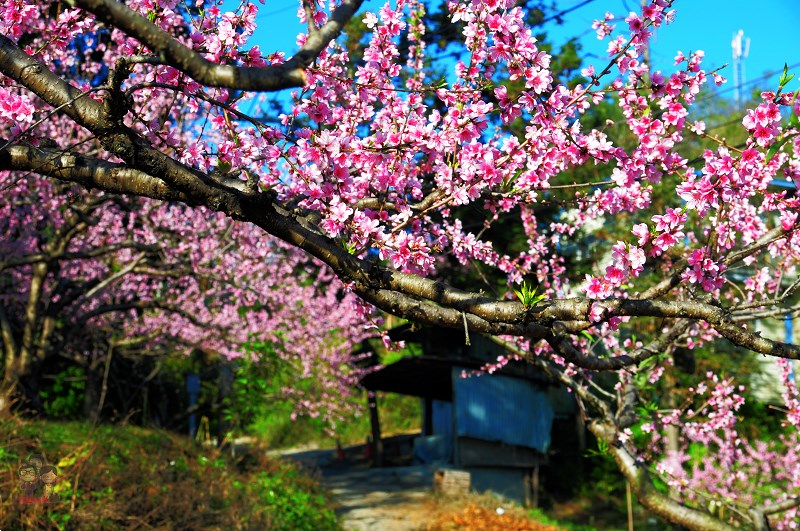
[382, 499]
[385, 499]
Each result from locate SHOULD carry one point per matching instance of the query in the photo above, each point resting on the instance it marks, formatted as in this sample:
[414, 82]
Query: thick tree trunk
[21, 379]
[8, 386]
[21, 385]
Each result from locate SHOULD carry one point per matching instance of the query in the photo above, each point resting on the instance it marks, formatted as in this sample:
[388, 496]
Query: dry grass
[482, 513]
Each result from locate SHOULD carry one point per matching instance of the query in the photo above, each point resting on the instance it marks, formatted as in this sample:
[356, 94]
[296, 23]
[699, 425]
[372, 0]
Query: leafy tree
[370, 166]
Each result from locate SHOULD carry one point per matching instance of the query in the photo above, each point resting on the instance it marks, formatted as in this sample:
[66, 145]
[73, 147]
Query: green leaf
[773, 150]
[785, 77]
[224, 166]
[508, 182]
[528, 296]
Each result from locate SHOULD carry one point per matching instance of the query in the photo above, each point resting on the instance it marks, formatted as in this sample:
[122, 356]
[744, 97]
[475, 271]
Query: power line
[751, 82]
[294, 6]
[458, 53]
[565, 11]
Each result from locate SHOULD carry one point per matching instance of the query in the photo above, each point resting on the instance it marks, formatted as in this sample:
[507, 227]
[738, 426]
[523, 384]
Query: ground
[390, 499]
[401, 498]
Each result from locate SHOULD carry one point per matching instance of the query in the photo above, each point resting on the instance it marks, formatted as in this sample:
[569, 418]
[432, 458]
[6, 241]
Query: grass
[123, 477]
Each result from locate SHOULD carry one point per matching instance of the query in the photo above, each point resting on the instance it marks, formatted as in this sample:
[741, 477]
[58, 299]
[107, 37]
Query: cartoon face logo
[38, 461]
[38, 481]
[48, 475]
[27, 473]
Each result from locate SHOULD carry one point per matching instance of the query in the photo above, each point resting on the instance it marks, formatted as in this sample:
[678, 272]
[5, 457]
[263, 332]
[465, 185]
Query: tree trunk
[11, 362]
[91, 393]
[647, 494]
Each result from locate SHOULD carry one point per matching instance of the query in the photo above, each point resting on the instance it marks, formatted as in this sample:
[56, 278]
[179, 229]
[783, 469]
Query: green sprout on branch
[528, 297]
[785, 78]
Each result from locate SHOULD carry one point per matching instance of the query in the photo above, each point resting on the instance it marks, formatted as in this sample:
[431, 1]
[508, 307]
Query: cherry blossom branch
[665, 285]
[171, 51]
[432, 302]
[740, 316]
[420, 206]
[96, 252]
[564, 346]
[776, 234]
[111, 278]
[140, 305]
[157, 175]
[71, 101]
[198, 95]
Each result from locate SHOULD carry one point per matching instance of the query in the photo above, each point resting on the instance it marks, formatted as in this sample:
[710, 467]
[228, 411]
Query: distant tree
[86, 274]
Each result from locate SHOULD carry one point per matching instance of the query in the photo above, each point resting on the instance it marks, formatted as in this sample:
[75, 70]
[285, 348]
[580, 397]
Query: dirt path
[390, 499]
[384, 499]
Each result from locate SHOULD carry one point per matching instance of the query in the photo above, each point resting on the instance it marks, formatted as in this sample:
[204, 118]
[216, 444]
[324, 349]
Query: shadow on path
[390, 498]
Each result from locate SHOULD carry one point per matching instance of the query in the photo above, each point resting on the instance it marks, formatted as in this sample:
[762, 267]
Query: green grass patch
[121, 477]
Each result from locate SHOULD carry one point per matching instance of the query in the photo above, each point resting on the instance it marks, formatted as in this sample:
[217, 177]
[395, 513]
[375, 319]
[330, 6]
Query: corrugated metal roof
[502, 408]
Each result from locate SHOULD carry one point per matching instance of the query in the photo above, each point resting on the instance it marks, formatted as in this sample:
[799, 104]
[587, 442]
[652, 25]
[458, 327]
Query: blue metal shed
[502, 409]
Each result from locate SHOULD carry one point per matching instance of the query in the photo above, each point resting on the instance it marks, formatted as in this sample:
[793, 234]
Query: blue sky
[773, 27]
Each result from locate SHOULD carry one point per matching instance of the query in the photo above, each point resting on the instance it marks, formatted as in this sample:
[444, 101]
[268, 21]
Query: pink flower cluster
[763, 123]
[704, 271]
[715, 462]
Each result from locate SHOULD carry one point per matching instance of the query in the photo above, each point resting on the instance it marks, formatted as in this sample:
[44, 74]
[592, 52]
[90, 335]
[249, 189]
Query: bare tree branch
[88, 254]
[89, 172]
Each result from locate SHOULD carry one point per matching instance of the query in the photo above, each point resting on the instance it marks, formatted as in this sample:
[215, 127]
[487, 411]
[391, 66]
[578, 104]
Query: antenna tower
[741, 48]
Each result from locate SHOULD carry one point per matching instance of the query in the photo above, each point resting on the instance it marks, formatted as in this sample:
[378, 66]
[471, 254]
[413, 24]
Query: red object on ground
[340, 456]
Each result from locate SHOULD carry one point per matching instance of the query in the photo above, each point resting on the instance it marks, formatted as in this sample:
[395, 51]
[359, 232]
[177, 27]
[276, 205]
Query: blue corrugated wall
[501, 408]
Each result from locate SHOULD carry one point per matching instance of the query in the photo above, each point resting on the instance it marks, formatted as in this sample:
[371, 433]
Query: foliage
[291, 500]
[276, 428]
[539, 515]
[275, 422]
[63, 399]
[262, 376]
[112, 475]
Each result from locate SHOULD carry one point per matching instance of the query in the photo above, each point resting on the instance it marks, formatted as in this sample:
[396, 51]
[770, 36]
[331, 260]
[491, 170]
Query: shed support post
[375, 424]
[427, 417]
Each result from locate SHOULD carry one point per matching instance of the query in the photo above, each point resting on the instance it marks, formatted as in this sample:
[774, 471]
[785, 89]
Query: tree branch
[172, 52]
[24, 69]
[89, 172]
